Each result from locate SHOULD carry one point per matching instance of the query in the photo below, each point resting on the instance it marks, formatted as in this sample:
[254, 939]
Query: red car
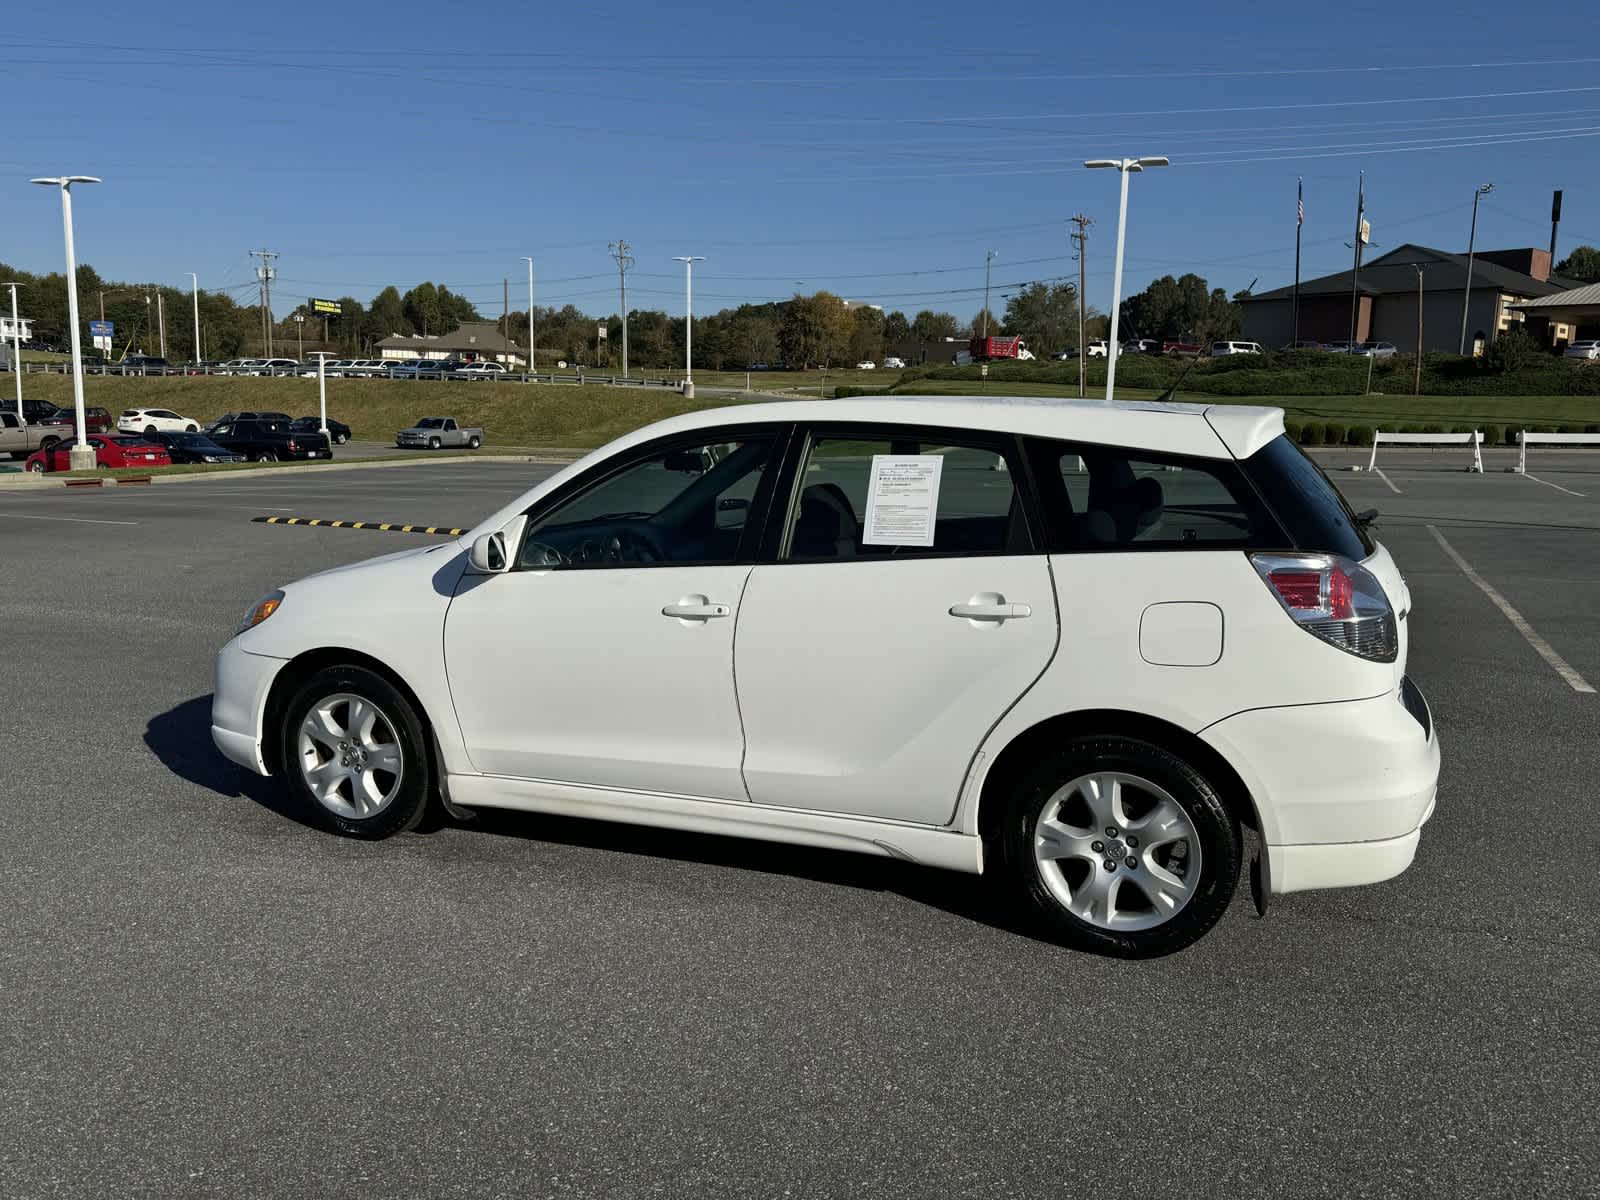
[95, 419]
[109, 451]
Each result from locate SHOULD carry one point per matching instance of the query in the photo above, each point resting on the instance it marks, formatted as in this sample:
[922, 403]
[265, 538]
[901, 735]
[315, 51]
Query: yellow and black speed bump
[381, 526]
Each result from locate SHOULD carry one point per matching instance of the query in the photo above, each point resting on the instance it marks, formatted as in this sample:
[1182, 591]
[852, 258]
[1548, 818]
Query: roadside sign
[326, 308]
[102, 343]
[101, 329]
[600, 331]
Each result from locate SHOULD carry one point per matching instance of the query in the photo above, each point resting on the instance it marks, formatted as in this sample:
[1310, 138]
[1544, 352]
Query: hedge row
[1331, 433]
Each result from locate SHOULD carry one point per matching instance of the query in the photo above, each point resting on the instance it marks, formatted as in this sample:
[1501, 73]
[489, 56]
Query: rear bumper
[1342, 790]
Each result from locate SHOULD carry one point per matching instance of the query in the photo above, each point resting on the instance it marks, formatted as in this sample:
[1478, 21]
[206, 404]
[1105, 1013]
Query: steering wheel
[632, 545]
[542, 554]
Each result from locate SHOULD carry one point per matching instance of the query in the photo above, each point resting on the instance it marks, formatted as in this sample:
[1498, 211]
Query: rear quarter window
[1311, 509]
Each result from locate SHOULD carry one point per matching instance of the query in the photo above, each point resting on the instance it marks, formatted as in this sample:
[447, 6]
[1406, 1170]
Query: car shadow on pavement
[181, 739]
[971, 897]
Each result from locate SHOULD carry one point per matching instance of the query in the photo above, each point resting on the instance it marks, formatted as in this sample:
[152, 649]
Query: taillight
[291, 446]
[1336, 599]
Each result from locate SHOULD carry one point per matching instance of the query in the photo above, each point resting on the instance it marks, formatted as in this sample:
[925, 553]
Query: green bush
[847, 390]
[1292, 430]
[1570, 429]
[1359, 435]
[1494, 435]
[1333, 434]
[1433, 429]
[1312, 433]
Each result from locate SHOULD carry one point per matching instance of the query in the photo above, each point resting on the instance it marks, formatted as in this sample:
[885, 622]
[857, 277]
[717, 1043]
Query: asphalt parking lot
[201, 996]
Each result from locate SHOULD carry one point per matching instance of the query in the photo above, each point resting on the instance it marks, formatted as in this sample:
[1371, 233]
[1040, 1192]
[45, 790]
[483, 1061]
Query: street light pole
[533, 363]
[1472, 237]
[688, 261]
[300, 335]
[195, 292]
[82, 456]
[988, 258]
[1126, 166]
[16, 351]
[161, 316]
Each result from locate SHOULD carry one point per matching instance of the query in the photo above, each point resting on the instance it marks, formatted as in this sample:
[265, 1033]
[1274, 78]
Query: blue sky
[875, 150]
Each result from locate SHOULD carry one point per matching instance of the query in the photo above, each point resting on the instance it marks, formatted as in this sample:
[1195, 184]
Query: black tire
[340, 439]
[149, 431]
[406, 809]
[266, 456]
[36, 468]
[434, 443]
[49, 444]
[191, 427]
[1217, 832]
[474, 442]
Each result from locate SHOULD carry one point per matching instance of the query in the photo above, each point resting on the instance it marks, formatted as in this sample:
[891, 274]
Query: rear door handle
[695, 608]
[991, 612]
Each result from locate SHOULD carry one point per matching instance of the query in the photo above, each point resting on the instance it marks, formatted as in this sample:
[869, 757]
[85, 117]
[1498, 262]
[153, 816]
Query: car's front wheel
[354, 752]
[1119, 846]
[266, 456]
[191, 427]
[36, 467]
[434, 443]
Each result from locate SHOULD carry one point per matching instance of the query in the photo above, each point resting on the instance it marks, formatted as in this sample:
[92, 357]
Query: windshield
[1306, 501]
[431, 423]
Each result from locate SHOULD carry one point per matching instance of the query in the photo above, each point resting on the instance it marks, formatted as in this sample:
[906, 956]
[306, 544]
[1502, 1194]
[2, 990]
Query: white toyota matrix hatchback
[1080, 645]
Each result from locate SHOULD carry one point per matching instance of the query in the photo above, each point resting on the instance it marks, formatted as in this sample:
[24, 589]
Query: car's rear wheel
[354, 752]
[474, 442]
[340, 439]
[149, 431]
[266, 456]
[1119, 846]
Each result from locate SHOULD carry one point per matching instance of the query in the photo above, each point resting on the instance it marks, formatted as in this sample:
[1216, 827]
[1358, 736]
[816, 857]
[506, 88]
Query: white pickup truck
[437, 432]
[21, 440]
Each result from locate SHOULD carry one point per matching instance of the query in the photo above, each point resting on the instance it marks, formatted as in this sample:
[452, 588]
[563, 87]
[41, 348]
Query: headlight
[209, 458]
[259, 611]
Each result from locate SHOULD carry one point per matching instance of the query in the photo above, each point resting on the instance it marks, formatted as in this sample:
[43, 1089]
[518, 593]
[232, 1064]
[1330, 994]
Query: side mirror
[732, 512]
[488, 554]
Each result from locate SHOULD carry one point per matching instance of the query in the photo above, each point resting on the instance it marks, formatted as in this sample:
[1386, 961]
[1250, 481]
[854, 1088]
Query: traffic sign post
[101, 333]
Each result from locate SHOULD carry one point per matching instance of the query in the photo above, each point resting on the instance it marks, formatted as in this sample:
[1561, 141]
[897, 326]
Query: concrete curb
[26, 482]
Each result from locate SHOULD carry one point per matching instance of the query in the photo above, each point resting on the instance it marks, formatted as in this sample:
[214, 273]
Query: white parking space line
[1531, 635]
[1557, 486]
[1379, 472]
[75, 520]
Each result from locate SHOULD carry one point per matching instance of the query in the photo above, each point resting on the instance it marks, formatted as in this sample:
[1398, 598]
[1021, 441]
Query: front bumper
[239, 703]
[1342, 789]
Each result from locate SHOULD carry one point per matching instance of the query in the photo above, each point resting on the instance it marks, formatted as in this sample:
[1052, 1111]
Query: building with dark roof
[1386, 300]
[476, 341]
[1573, 314]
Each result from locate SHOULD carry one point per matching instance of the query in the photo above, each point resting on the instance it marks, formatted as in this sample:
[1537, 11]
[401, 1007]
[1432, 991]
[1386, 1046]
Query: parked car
[1183, 344]
[866, 364]
[1141, 346]
[1304, 345]
[1103, 754]
[1097, 348]
[20, 440]
[1223, 349]
[268, 441]
[338, 431]
[149, 420]
[110, 451]
[1340, 347]
[32, 410]
[894, 364]
[1588, 350]
[480, 370]
[145, 363]
[238, 366]
[193, 448]
[432, 367]
[276, 366]
[230, 418]
[1065, 355]
[1376, 349]
[437, 432]
[95, 419]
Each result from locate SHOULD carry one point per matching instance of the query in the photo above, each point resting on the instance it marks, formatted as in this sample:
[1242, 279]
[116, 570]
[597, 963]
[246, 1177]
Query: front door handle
[991, 610]
[695, 608]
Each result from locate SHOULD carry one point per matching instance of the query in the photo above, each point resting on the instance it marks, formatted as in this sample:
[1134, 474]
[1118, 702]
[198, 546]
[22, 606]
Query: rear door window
[1312, 510]
[1105, 498]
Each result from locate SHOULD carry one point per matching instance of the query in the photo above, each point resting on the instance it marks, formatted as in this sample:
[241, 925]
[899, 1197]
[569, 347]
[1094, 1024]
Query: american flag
[1300, 203]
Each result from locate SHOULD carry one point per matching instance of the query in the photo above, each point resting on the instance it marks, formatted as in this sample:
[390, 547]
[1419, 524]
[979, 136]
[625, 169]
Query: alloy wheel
[1117, 851]
[349, 756]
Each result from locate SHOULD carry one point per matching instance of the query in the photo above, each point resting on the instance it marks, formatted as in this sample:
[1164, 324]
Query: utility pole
[1472, 240]
[532, 364]
[161, 316]
[505, 318]
[988, 258]
[16, 352]
[1355, 271]
[1299, 220]
[619, 251]
[265, 273]
[1081, 237]
[300, 333]
[194, 291]
[1416, 388]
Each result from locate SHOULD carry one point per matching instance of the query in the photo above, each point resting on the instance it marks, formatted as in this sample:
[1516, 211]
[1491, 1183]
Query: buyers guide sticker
[903, 499]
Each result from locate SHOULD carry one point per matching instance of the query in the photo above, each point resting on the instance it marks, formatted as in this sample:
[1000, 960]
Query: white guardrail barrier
[1551, 439]
[1473, 439]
